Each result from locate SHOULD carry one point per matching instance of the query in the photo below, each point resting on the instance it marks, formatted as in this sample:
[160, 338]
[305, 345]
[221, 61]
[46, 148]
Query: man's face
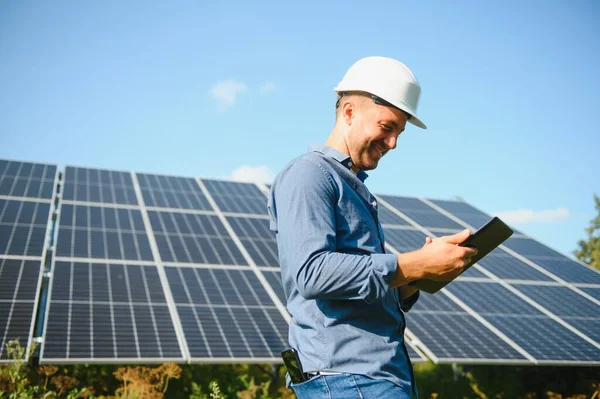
[374, 131]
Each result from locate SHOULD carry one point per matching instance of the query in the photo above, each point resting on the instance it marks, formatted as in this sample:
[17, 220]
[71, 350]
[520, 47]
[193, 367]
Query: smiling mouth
[380, 151]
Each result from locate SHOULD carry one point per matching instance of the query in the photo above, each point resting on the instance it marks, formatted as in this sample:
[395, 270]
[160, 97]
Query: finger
[428, 240]
[458, 237]
[470, 251]
[466, 261]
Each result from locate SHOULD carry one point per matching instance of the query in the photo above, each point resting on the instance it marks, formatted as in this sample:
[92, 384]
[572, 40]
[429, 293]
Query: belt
[323, 372]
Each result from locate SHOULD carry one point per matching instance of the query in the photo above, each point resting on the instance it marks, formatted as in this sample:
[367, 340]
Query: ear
[348, 110]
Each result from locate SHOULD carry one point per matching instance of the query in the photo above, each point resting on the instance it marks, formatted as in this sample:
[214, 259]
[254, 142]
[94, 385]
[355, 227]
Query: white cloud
[267, 87]
[252, 174]
[226, 92]
[528, 215]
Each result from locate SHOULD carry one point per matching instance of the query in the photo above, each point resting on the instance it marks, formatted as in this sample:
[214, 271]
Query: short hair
[376, 99]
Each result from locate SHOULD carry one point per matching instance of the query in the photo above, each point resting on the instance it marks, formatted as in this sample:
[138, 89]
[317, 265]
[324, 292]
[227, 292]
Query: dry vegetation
[20, 381]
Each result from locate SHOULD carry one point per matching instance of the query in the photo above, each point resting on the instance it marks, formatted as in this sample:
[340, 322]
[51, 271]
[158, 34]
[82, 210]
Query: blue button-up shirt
[335, 272]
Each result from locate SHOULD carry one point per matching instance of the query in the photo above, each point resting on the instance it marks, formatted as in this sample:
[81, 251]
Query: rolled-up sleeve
[303, 204]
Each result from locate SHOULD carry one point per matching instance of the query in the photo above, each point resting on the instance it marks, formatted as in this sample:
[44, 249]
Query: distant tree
[589, 249]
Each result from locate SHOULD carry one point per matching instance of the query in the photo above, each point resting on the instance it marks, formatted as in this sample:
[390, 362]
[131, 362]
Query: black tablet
[488, 237]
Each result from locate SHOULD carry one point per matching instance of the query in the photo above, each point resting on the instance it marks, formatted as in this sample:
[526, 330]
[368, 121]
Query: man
[345, 295]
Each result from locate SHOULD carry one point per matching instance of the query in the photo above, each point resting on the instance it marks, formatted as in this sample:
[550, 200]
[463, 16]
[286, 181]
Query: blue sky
[510, 94]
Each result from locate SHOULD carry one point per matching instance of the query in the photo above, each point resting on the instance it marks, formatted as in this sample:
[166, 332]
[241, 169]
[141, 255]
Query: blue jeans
[348, 386]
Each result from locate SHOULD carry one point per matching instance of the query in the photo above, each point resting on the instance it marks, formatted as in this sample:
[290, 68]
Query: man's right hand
[443, 259]
[440, 259]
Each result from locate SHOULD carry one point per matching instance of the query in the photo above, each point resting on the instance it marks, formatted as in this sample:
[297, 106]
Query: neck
[336, 140]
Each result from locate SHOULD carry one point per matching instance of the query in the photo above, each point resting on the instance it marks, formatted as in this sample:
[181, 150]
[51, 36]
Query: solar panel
[23, 227]
[274, 279]
[237, 197]
[450, 333]
[508, 267]
[98, 186]
[111, 299]
[19, 286]
[529, 247]
[541, 336]
[453, 337]
[473, 272]
[99, 312]
[574, 308]
[561, 300]
[226, 314]
[413, 353]
[97, 232]
[26, 193]
[545, 339]
[194, 238]
[172, 192]
[594, 292]
[404, 240]
[485, 298]
[386, 216]
[259, 241]
[569, 270]
[25, 179]
[467, 213]
[421, 213]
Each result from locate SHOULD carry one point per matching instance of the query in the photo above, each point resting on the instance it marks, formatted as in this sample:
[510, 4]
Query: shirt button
[349, 164]
[374, 203]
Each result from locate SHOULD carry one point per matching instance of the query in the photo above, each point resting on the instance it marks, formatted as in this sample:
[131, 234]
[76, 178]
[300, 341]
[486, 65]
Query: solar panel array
[26, 197]
[514, 306]
[151, 268]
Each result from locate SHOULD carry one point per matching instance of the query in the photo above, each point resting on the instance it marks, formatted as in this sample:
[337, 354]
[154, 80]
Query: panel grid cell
[18, 289]
[386, 216]
[24, 179]
[236, 197]
[194, 238]
[458, 336]
[23, 227]
[226, 313]
[544, 338]
[561, 301]
[421, 213]
[108, 311]
[172, 192]
[508, 267]
[538, 334]
[464, 211]
[257, 238]
[575, 309]
[98, 186]
[274, 279]
[568, 270]
[404, 240]
[415, 357]
[491, 298]
[98, 232]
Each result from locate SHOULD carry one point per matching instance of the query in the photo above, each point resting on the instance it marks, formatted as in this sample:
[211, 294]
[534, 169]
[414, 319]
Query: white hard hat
[388, 79]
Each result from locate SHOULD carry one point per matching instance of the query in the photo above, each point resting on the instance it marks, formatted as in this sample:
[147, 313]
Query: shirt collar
[339, 156]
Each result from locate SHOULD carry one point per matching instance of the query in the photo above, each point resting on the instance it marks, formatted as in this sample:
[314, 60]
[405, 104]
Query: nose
[391, 142]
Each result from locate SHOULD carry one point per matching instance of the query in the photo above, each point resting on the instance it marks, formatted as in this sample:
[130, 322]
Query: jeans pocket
[309, 388]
